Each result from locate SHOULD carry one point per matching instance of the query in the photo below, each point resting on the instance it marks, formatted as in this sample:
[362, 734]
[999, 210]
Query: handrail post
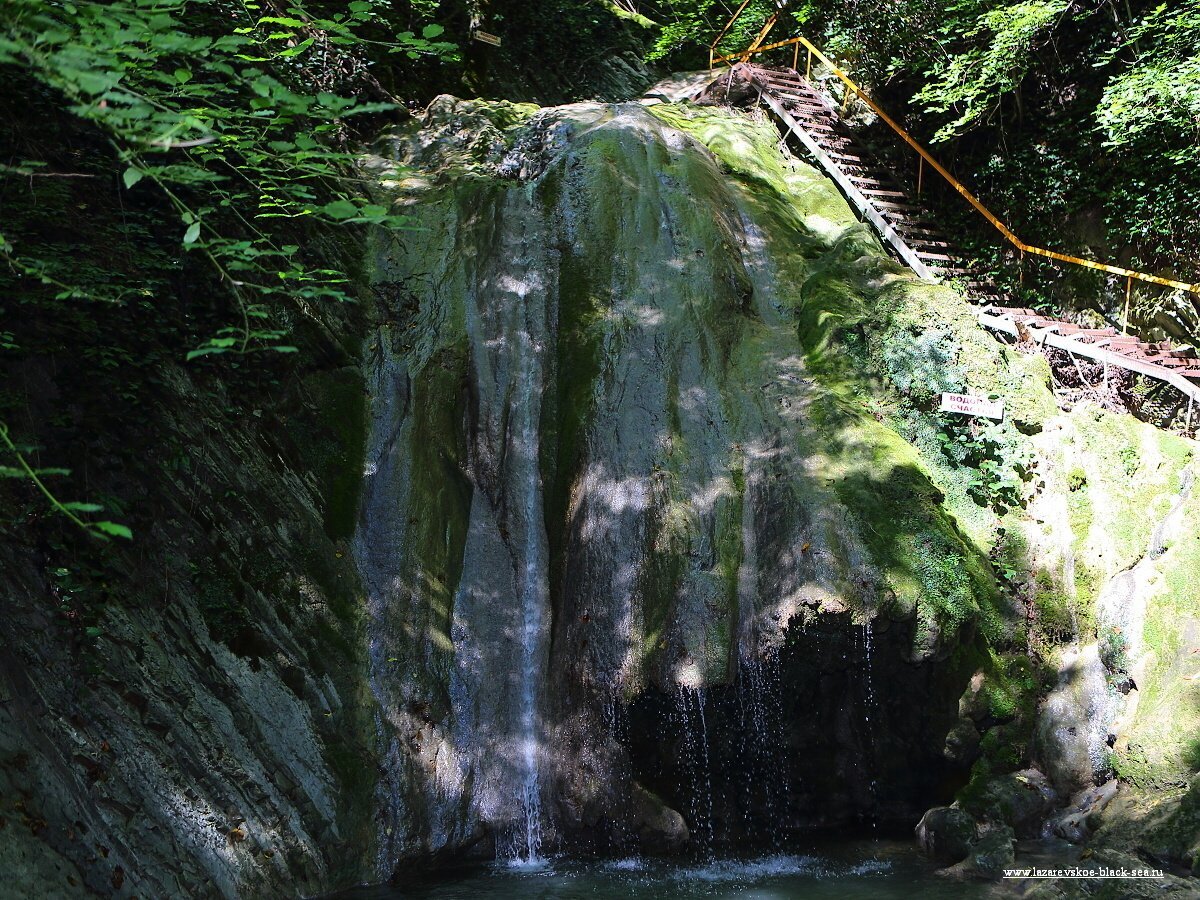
[795, 56]
[920, 173]
[808, 69]
[1128, 294]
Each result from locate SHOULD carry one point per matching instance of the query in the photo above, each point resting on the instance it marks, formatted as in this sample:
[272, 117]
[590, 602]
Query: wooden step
[816, 126]
[834, 140]
[899, 207]
[917, 230]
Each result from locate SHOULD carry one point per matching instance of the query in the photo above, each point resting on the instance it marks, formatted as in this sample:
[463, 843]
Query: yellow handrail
[1008, 234]
[762, 34]
[712, 48]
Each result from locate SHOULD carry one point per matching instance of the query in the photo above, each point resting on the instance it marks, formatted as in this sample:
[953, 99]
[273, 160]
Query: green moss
[928, 565]
[1055, 616]
[1131, 471]
[1164, 741]
[1076, 479]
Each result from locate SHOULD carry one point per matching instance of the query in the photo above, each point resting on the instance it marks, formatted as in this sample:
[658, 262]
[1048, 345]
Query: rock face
[1073, 725]
[619, 476]
[661, 544]
[210, 734]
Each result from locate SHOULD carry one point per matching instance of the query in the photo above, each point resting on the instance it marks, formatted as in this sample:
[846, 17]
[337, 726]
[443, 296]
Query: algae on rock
[666, 292]
[643, 361]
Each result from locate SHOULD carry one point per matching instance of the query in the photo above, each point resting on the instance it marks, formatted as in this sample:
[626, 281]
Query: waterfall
[763, 743]
[699, 772]
[526, 848]
[871, 706]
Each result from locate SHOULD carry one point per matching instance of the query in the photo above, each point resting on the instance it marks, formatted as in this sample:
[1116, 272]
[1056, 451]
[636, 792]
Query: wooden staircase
[897, 214]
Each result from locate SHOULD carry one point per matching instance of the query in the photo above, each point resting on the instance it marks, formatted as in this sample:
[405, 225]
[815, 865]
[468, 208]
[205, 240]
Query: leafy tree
[689, 28]
[232, 120]
[997, 56]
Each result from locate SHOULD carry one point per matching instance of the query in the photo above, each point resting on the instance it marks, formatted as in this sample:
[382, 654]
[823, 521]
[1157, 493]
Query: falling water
[762, 747]
[695, 744]
[871, 707]
[527, 845]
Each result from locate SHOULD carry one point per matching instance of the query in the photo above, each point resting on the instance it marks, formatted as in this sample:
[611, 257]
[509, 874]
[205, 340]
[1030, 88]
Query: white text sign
[973, 406]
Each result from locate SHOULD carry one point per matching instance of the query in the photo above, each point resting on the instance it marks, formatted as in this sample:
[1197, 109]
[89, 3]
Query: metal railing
[925, 156]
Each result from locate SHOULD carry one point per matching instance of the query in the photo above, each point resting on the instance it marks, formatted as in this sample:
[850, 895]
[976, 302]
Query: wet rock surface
[946, 834]
[661, 546]
[594, 391]
[987, 857]
[211, 735]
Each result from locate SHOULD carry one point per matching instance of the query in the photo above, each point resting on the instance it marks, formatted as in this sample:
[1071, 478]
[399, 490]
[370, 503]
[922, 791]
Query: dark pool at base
[851, 871]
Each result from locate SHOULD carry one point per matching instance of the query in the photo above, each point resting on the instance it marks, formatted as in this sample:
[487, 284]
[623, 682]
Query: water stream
[526, 848]
[690, 704]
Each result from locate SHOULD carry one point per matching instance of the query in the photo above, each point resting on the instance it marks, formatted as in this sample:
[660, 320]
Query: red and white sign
[973, 406]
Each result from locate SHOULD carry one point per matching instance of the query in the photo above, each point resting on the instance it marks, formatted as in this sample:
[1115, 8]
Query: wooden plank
[1008, 325]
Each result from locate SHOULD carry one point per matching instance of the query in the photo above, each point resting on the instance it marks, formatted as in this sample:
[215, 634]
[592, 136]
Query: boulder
[987, 858]
[1071, 728]
[1021, 800]
[962, 743]
[946, 833]
[660, 829]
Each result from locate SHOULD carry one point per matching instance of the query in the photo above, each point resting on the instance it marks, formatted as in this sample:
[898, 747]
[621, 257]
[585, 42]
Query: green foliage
[233, 115]
[14, 463]
[1159, 93]
[691, 27]
[1001, 460]
[996, 59]
[228, 128]
[1150, 112]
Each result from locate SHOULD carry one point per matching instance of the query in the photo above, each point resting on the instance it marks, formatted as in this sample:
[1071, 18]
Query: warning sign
[973, 406]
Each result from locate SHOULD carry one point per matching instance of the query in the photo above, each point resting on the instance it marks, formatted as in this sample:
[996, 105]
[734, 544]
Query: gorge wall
[627, 491]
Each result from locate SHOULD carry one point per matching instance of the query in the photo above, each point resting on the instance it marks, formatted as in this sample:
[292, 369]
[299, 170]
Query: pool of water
[877, 870]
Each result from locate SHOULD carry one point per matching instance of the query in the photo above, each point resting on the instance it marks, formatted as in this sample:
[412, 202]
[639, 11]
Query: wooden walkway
[897, 214]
